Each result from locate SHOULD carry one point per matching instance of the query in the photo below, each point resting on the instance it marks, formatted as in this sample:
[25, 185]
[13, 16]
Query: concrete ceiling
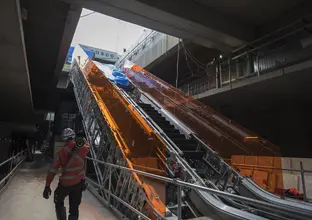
[181, 20]
[254, 12]
[166, 68]
[47, 27]
[16, 96]
[34, 42]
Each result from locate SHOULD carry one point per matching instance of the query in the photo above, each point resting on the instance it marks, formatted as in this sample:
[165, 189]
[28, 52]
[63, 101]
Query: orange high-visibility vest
[74, 172]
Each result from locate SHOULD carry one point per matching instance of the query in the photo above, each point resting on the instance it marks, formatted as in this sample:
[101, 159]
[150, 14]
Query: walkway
[22, 199]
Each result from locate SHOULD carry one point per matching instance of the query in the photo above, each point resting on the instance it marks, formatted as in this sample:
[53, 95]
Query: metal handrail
[272, 168]
[181, 184]
[11, 158]
[13, 170]
[120, 200]
[136, 47]
[195, 87]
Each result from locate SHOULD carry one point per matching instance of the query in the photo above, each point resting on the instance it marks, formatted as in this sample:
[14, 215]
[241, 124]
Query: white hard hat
[68, 133]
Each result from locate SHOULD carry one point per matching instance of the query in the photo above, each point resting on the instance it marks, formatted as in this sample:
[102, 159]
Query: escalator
[205, 203]
[145, 128]
[217, 136]
[187, 146]
[191, 152]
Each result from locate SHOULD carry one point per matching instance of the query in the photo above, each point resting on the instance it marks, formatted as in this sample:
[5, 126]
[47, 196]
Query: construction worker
[71, 159]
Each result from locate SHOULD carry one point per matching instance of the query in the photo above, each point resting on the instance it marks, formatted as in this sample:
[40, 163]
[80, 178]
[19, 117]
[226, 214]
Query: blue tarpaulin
[113, 74]
[70, 54]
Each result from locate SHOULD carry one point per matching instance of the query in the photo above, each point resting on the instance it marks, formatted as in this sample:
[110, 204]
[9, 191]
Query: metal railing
[302, 172]
[20, 159]
[180, 184]
[255, 59]
[136, 48]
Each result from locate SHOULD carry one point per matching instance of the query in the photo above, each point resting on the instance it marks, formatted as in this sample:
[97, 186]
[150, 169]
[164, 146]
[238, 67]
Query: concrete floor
[22, 199]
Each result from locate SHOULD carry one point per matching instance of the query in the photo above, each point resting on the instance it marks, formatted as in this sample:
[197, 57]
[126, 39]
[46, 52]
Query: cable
[178, 58]
[194, 61]
[187, 63]
[82, 16]
[200, 64]
[189, 67]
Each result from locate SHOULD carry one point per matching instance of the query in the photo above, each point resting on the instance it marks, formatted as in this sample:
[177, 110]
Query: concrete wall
[288, 127]
[293, 179]
[156, 48]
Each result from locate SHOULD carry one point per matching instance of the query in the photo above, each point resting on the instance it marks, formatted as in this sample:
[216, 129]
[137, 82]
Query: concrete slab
[23, 199]
[14, 81]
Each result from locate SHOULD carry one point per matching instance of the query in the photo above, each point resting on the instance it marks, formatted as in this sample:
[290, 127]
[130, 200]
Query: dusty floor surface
[22, 199]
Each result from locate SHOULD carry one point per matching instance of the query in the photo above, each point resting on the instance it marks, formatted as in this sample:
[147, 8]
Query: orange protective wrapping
[140, 146]
[223, 135]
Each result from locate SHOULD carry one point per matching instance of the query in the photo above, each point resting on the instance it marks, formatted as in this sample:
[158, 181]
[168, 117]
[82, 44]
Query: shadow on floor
[22, 198]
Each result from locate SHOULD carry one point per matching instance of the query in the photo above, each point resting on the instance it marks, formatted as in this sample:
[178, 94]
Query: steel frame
[103, 148]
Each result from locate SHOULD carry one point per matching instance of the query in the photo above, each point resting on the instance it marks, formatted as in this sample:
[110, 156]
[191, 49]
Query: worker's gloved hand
[47, 192]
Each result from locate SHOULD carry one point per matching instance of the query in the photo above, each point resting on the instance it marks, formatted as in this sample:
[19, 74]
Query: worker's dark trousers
[75, 194]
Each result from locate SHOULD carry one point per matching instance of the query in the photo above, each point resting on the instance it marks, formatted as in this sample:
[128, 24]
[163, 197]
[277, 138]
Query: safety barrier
[20, 159]
[180, 184]
[268, 173]
[259, 57]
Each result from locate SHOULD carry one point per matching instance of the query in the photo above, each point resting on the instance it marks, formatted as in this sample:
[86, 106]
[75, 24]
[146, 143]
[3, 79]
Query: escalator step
[144, 104]
[165, 127]
[175, 135]
[148, 109]
[187, 147]
[157, 117]
[152, 112]
[184, 141]
[196, 155]
[171, 131]
[163, 122]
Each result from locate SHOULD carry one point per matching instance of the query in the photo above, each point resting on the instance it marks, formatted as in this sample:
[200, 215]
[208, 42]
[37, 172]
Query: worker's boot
[61, 213]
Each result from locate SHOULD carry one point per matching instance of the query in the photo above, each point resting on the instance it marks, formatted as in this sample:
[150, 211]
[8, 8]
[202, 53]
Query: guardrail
[21, 157]
[180, 184]
[256, 59]
[302, 172]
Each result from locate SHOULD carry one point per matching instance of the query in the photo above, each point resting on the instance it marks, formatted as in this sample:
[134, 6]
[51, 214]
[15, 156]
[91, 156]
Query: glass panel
[221, 134]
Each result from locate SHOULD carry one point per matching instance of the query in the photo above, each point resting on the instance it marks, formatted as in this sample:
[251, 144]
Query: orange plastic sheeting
[148, 164]
[153, 196]
[265, 171]
[137, 141]
[223, 135]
